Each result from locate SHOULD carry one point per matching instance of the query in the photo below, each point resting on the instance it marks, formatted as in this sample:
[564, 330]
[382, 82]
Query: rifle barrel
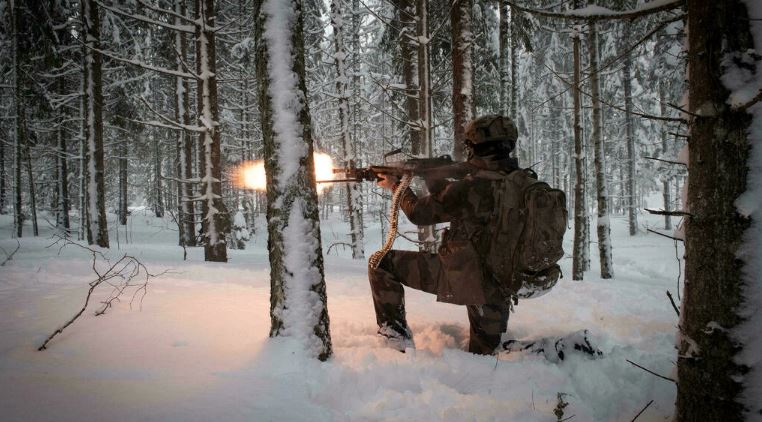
[338, 181]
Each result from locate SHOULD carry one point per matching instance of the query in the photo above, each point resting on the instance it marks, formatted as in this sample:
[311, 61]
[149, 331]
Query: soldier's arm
[439, 207]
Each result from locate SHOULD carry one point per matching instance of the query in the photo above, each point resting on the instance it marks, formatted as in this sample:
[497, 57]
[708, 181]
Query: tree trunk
[354, 207]
[711, 377]
[158, 206]
[185, 214]
[603, 224]
[356, 197]
[216, 220]
[503, 33]
[20, 119]
[630, 193]
[297, 282]
[3, 178]
[62, 178]
[580, 257]
[409, 46]
[32, 193]
[93, 126]
[462, 67]
[665, 177]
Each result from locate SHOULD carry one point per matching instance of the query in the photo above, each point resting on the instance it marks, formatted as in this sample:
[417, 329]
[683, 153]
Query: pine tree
[297, 282]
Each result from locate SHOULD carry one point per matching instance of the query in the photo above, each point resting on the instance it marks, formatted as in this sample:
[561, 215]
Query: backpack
[527, 234]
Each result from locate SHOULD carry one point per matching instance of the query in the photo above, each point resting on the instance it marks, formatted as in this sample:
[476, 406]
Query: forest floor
[196, 347]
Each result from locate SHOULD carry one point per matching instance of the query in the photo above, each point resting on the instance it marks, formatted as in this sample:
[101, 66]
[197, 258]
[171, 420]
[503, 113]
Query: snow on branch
[190, 29]
[598, 13]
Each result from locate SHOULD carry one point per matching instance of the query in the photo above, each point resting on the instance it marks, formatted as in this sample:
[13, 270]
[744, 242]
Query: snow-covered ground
[198, 348]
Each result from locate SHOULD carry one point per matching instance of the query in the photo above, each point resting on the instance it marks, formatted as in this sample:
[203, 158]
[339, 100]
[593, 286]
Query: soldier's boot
[488, 323]
[389, 304]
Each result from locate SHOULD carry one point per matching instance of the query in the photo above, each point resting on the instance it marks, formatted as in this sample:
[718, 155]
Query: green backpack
[528, 231]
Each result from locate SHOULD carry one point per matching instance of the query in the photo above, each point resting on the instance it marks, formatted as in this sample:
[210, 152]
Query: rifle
[430, 169]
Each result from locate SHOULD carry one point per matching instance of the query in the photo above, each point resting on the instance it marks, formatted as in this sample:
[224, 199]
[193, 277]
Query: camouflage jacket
[467, 205]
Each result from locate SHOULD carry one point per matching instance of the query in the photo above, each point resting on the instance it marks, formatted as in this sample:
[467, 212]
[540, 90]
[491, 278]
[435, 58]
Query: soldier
[456, 274]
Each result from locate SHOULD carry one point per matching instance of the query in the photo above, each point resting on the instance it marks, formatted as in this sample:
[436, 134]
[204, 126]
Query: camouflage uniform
[455, 274]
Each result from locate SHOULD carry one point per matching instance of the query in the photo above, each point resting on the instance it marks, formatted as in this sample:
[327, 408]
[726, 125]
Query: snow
[197, 349]
[744, 86]
[283, 88]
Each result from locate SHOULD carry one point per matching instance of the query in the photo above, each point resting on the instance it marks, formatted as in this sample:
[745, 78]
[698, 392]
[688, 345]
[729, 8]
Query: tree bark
[710, 375]
[348, 138]
[93, 126]
[631, 189]
[603, 223]
[297, 282]
[503, 33]
[580, 254]
[216, 221]
[665, 177]
[462, 67]
[20, 113]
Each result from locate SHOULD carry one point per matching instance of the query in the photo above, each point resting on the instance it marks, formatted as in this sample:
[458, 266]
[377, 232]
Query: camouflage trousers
[422, 271]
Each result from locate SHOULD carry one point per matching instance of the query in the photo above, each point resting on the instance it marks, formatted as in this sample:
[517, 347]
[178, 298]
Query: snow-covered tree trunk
[631, 189]
[353, 193]
[666, 195]
[580, 250]
[3, 178]
[122, 210]
[97, 229]
[425, 233]
[409, 59]
[505, 76]
[20, 121]
[602, 196]
[158, 206]
[462, 67]
[184, 141]
[357, 225]
[32, 190]
[297, 283]
[62, 174]
[216, 222]
[718, 348]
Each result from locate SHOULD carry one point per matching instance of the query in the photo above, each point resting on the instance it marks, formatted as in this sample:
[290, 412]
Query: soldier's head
[490, 135]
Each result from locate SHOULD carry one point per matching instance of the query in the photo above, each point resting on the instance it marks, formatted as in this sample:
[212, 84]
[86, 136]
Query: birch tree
[297, 282]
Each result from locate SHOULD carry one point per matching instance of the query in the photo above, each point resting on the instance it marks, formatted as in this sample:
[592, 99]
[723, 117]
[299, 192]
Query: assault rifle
[429, 169]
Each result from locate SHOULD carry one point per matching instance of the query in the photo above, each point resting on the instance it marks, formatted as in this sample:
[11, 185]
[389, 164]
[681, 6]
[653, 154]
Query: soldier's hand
[388, 181]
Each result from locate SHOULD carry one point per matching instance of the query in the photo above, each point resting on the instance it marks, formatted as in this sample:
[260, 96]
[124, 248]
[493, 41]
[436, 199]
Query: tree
[603, 224]
[712, 341]
[297, 282]
[216, 223]
[95, 222]
[348, 138]
[462, 68]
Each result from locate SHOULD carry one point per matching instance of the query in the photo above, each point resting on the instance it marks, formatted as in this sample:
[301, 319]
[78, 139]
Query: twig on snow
[9, 256]
[651, 372]
[641, 411]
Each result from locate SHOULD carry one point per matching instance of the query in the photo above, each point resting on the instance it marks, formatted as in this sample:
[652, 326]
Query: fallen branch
[10, 256]
[641, 411]
[124, 271]
[651, 372]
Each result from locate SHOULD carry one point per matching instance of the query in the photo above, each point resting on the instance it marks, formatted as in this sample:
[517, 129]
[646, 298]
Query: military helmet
[491, 128]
